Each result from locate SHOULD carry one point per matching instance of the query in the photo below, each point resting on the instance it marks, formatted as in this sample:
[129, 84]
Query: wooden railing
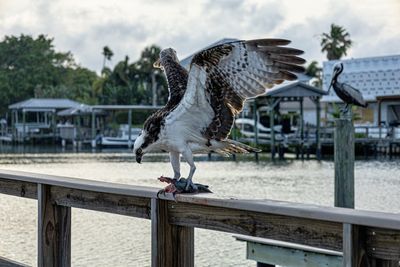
[363, 236]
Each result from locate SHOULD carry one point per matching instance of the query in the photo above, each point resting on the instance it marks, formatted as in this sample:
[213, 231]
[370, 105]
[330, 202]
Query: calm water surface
[100, 239]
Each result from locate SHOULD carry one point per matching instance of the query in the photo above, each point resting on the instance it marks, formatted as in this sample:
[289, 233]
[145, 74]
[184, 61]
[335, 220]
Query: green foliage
[315, 71]
[31, 67]
[336, 112]
[107, 53]
[131, 83]
[336, 42]
[360, 135]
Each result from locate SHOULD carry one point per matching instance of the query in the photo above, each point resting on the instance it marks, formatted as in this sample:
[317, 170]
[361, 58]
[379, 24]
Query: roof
[45, 103]
[125, 107]
[82, 109]
[294, 89]
[373, 76]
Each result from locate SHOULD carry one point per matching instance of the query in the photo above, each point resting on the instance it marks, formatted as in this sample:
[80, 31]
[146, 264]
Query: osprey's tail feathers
[234, 147]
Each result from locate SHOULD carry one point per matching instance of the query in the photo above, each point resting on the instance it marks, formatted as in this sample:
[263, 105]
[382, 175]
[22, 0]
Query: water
[101, 239]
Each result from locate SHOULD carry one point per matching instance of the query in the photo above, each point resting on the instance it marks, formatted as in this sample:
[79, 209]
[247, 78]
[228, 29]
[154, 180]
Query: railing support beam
[172, 245]
[54, 231]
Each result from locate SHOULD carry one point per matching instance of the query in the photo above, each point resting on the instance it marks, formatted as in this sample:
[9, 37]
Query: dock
[363, 237]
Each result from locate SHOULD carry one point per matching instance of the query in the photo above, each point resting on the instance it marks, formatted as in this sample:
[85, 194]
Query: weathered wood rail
[366, 238]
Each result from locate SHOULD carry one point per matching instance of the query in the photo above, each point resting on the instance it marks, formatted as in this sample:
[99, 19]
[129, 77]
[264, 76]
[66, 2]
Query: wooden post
[344, 163]
[93, 125]
[317, 134]
[301, 128]
[271, 126]
[353, 247]
[54, 125]
[12, 126]
[255, 117]
[78, 128]
[172, 245]
[272, 102]
[54, 231]
[23, 126]
[129, 128]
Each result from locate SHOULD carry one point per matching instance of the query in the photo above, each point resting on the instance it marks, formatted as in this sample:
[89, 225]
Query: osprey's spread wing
[228, 74]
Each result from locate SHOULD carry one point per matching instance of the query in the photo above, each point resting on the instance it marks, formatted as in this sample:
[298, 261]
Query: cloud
[366, 33]
[84, 27]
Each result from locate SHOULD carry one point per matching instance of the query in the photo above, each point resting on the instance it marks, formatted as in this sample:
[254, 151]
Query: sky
[127, 26]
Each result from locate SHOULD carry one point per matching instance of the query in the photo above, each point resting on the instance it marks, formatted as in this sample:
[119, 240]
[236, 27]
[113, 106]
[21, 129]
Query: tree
[315, 71]
[107, 53]
[28, 64]
[336, 42]
[132, 83]
[148, 75]
[30, 67]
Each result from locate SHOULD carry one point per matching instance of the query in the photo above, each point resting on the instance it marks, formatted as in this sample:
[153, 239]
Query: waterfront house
[378, 79]
[36, 118]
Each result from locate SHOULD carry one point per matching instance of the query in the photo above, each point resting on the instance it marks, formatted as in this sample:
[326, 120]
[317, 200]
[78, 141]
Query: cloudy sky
[127, 26]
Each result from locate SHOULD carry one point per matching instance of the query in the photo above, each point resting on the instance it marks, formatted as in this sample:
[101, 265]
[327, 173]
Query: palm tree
[336, 43]
[107, 53]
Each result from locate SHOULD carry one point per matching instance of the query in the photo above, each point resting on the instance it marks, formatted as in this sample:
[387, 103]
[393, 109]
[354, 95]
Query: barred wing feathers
[228, 74]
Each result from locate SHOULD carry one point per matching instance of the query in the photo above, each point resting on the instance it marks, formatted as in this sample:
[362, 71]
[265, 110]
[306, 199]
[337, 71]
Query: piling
[344, 162]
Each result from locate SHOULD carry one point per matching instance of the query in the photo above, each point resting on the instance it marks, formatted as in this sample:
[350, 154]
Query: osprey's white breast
[187, 122]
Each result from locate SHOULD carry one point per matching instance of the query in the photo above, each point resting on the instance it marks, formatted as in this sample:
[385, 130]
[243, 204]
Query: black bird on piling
[346, 92]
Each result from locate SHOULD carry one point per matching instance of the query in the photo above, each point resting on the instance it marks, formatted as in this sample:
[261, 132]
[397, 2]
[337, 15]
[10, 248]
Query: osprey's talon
[161, 191]
[174, 196]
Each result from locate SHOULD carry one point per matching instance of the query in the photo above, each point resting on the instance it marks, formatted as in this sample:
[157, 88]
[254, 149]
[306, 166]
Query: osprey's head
[138, 146]
[167, 56]
[147, 140]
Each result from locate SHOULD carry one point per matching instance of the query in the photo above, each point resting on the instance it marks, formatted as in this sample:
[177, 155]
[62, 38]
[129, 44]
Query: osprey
[204, 101]
[349, 94]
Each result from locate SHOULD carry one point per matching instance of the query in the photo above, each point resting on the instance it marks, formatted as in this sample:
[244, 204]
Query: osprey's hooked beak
[157, 64]
[139, 155]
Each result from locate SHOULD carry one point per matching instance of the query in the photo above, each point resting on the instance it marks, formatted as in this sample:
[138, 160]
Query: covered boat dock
[280, 99]
[35, 118]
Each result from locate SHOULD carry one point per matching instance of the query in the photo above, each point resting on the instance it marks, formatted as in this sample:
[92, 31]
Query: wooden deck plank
[83, 184]
[307, 211]
[321, 234]
[139, 207]
[18, 188]
[383, 243]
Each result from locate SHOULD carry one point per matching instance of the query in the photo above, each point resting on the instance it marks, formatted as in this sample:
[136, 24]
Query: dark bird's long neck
[336, 76]
[177, 77]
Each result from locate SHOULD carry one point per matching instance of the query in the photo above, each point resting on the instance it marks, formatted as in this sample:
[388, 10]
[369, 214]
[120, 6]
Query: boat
[122, 138]
[247, 126]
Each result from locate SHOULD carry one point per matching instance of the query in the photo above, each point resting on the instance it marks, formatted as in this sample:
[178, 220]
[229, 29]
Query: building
[37, 117]
[378, 79]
